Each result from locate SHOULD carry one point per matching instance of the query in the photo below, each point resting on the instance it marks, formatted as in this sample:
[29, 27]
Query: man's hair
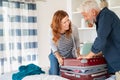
[88, 5]
[103, 4]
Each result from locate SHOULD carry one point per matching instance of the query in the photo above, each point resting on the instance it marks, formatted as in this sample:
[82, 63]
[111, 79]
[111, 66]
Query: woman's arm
[76, 39]
[51, 42]
[78, 52]
[55, 50]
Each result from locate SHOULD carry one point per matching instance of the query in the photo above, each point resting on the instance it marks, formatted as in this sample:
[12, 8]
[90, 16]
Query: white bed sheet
[44, 77]
[8, 76]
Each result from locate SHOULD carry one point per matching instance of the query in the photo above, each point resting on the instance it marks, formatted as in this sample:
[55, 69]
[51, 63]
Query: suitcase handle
[69, 74]
[98, 74]
[72, 74]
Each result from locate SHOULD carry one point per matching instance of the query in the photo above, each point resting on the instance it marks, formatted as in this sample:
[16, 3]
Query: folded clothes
[30, 69]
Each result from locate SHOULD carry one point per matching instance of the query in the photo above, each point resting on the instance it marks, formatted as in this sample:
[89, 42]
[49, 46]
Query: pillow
[86, 48]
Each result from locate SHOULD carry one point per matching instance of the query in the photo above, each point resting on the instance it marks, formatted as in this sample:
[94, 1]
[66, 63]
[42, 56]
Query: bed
[8, 76]
[33, 68]
[46, 76]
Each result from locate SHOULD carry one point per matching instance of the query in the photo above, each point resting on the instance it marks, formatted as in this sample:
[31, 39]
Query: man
[108, 34]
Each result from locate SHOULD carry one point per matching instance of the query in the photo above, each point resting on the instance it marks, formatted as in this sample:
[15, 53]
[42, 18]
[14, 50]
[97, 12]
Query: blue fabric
[108, 38]
[30, 69]
[54, 65]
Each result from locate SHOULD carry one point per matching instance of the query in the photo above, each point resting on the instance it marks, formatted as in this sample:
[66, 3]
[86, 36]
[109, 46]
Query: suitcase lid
[84, 62]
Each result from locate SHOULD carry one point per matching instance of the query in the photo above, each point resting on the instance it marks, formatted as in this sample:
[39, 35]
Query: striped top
[66, 46]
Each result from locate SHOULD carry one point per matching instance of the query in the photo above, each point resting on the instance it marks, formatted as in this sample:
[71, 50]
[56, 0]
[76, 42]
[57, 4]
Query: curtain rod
[27, 0]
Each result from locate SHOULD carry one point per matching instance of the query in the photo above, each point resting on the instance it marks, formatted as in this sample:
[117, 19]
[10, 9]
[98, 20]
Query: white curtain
[18, 34]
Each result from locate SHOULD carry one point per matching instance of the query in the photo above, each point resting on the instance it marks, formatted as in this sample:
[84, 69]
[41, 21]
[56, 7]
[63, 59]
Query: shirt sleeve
[52, 44]
[103, 31]
[76, 36]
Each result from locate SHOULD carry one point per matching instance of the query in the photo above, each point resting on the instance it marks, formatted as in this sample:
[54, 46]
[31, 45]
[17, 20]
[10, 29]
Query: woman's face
[65, 24]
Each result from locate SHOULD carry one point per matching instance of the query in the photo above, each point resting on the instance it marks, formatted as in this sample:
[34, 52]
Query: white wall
[46, 10]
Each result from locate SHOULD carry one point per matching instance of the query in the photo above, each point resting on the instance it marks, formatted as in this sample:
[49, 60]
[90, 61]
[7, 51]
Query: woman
[64, 41]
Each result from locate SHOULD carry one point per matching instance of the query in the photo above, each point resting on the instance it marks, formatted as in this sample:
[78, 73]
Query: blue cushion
[86, 48]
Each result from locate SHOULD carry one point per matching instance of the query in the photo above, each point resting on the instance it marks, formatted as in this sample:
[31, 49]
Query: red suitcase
[84, 69]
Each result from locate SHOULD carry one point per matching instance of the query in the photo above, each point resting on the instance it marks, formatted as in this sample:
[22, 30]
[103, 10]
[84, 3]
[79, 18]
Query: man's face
[88, 16]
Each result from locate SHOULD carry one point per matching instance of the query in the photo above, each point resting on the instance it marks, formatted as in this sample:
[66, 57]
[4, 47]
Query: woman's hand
[59, 58]
[78, 52]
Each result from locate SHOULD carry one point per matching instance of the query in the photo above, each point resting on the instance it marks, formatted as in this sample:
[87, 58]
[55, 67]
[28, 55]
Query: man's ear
[94, 12]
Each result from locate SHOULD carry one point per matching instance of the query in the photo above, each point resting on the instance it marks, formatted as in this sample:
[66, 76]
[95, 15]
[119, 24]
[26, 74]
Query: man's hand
[99, 54]
[90, 55]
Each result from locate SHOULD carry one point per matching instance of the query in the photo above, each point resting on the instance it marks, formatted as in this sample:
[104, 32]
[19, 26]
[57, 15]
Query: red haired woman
[64, 41]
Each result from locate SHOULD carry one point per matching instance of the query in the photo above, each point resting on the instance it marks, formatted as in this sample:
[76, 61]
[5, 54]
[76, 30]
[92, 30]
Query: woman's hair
[56, 25]
[87, 5]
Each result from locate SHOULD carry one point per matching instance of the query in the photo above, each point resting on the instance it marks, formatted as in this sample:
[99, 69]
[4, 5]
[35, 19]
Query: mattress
[8, 76]
[44, 77]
